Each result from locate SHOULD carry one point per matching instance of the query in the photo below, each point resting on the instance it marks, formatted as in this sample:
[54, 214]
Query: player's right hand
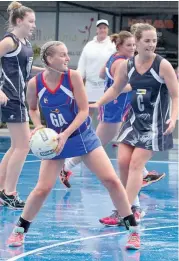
[3, 98]
[37, 128]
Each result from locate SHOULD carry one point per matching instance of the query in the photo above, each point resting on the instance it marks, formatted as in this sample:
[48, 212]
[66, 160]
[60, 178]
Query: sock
[130, 221]
[145, 172]
[23, 223]
[71, 163]
[136, 202]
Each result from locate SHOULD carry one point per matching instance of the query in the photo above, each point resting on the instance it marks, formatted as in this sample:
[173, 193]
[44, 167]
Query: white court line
[78, 240]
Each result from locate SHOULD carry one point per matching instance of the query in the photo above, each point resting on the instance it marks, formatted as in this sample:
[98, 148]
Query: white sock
[145, 172]
[71, 163]
[136, 202]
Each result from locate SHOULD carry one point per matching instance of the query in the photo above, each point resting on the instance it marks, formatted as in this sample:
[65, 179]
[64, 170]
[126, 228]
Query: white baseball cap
[102, 21]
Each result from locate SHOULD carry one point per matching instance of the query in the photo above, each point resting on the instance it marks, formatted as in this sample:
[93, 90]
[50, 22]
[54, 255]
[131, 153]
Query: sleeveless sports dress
[16, 68]
[59, 109]
[113, 111]
[146, 119]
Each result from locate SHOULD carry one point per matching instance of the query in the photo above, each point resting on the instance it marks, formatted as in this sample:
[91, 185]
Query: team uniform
[145, 122]
[16, 68]
[59, 109]
[113, 111]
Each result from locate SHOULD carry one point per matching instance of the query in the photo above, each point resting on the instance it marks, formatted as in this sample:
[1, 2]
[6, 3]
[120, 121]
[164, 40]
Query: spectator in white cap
[94, 56]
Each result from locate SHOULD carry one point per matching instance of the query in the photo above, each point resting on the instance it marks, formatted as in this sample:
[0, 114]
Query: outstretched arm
[120, 81]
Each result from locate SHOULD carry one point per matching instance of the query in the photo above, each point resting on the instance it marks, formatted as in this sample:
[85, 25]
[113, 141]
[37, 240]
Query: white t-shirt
[94, 56]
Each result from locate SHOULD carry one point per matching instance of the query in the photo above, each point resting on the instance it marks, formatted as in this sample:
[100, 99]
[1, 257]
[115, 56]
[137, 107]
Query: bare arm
[120, 81]
[81, 100]
[6, 45]
[116, 65]
[127, 88]
[32, 101]
[168, 74]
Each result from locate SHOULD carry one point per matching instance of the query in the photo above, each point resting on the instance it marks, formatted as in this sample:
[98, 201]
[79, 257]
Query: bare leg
[105, 172]
[3, 167]
[12, 164]
[49, 172]
[138, 160]
[124, 157]
[107, 131]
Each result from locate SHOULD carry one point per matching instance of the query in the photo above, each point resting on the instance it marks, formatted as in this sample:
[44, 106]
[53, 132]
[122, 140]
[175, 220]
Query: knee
[42, 192]
[136, 165]
[111, 183]
[123, 161]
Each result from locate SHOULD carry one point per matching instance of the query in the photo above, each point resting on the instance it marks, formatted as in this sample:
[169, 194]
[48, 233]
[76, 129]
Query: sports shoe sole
[153, 181]
[108, 225]
[5, 203]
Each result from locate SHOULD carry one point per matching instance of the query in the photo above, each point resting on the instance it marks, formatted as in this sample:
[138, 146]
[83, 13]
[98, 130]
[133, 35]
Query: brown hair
[138, 28]
[48, 50]
[119, 39]
[17, 10]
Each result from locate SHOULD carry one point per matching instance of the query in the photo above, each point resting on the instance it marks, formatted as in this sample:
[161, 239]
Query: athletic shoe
[12, 201]
[16, 239]
[64, 177]
[133, 241]
[116, 220]
[138, 213]
[152, 177]
[113, 220]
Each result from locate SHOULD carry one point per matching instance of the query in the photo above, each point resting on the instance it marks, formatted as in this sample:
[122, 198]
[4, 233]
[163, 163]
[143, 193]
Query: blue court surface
[67, 226]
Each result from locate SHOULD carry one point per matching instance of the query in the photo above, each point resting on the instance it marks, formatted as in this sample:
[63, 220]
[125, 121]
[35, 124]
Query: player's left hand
[171, 127]
[62, 138]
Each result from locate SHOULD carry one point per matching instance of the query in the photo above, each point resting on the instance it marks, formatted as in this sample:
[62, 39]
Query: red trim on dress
[58, 86]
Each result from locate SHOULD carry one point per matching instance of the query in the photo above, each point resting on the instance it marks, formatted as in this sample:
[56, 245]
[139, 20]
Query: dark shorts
[14, 113]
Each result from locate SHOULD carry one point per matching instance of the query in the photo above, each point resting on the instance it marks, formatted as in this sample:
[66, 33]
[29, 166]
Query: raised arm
[120, 81]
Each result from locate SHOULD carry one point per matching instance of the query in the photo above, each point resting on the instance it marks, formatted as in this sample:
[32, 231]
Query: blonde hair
[48, 50]
[138, 28]
[119, 38]
[134, 27]
[16, 10]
